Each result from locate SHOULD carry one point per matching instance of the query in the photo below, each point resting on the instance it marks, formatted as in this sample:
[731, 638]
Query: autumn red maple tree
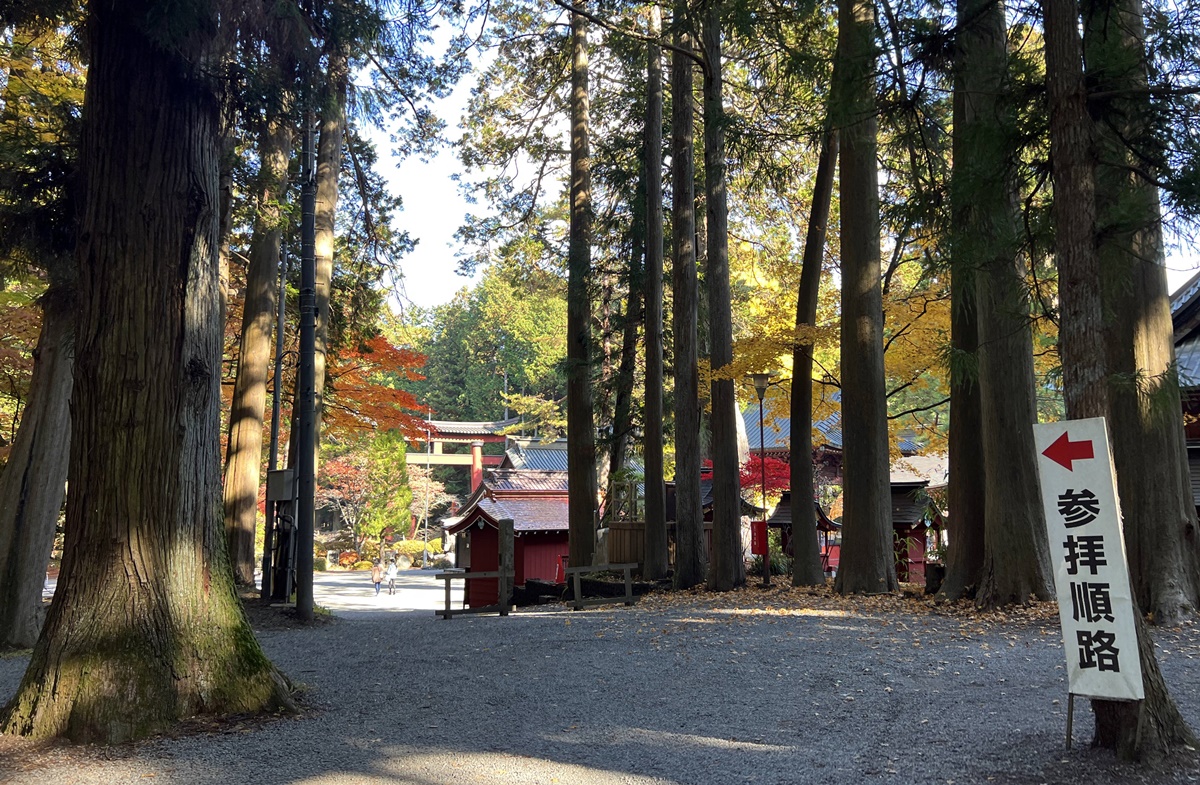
[778, 475]
[359, 397]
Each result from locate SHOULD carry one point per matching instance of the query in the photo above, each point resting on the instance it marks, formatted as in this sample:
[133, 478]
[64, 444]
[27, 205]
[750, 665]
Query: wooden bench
[578, 603]
[505, 580]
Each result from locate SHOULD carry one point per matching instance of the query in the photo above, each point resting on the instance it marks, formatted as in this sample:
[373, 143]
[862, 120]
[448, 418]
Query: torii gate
[440, 432]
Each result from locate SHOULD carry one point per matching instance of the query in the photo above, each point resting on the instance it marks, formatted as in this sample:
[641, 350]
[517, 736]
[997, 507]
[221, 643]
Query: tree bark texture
[690, 551]
[34, 479]
[1081, 335]
[655, 547]
[987, 240]
[965, 549]
[243, 466]
[1081, 341]
[1146, 426]
[145, 627]
[727, 566]
[581, 434]
[806, 552]
[867, 560]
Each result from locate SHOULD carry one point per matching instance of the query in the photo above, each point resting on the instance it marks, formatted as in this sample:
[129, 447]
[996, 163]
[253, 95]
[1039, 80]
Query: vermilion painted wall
[537, 555]
[485, 557]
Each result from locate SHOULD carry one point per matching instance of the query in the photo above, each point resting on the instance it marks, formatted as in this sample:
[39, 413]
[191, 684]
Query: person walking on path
[377, 576]
[391, 577]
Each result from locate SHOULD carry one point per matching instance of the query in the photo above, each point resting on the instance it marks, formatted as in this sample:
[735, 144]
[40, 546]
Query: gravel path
[702, 689]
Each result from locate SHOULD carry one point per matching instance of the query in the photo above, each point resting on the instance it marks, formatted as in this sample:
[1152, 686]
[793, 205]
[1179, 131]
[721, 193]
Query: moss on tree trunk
[145, 627]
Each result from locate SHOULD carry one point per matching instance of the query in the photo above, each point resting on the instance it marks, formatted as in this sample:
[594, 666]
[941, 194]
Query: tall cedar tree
[332, 124]
[581, 436]
[806, 556]
[726, 568]
[1160, 517]
[690, 555]
[1081, 342]
[243, 465]
[867, 561]
[31, 487]
[121, 658]
[34, 225]
[987, 240]
[655, 554]
[964, 556]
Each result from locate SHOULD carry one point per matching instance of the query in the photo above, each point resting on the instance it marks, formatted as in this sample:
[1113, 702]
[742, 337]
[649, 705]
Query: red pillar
[476, 465]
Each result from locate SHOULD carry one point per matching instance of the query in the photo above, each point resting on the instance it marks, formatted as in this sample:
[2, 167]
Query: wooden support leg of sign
[1070, 716]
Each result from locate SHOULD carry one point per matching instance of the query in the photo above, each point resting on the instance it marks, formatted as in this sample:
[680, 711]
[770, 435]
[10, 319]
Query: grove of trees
[945, 222]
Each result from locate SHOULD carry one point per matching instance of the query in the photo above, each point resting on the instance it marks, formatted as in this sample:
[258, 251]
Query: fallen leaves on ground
[784, 600]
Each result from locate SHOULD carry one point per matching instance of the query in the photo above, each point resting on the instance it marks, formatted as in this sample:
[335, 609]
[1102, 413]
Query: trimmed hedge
[414, 548]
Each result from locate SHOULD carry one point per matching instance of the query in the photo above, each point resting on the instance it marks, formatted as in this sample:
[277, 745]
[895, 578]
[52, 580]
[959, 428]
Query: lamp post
[761, 382]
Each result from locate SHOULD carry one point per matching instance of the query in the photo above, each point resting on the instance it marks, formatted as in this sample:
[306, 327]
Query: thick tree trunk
[727, 566]
[243, 467]
[33, 482]
[1081, 337]
[581, 435]
[655, 552]
[145, 627]
[987, 242]
[806, 552]
[965, 549]
[867, 561]
[1146, 426]
[690, 552]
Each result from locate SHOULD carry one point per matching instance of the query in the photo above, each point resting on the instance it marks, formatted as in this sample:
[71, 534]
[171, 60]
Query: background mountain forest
[899, 210]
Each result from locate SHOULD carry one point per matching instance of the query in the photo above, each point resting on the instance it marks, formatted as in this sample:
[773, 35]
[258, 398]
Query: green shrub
[319, 564]
[362, 565]
[414, 548]
[440, 563]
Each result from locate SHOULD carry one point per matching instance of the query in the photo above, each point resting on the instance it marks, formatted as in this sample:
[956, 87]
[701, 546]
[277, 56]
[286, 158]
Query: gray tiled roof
[525, 480]
[777, 431]
[472, 428]
[528, 513]
[531, 454]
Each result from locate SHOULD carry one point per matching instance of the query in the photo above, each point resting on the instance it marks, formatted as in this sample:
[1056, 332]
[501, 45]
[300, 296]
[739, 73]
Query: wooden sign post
[1087, 552]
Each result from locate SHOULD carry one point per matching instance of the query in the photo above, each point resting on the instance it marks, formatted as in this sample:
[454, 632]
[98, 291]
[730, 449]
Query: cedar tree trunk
[690, 550]
[145, 627]
[806, 552]
[655, 553]
[868, 563]
[1081, 339]
[329, 165]
[964, 551]
[33, 482]
[727, 567]
[243, 467]
[581, 434]
[1146, 426]
[987, 241]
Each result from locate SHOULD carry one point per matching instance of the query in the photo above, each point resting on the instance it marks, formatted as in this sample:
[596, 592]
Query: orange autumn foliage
[358, 396]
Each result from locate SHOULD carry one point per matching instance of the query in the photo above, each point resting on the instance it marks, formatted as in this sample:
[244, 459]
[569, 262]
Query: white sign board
[1087, 551]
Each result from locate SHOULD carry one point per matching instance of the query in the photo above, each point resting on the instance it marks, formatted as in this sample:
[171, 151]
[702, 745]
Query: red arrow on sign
[1064, 451]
